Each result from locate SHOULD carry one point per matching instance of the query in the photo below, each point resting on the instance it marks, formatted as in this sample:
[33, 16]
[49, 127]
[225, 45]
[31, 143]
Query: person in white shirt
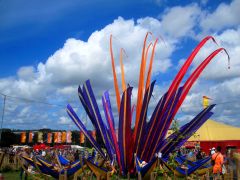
[213, 150]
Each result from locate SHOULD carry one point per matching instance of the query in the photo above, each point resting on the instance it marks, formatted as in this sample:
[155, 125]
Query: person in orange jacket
[218, 158]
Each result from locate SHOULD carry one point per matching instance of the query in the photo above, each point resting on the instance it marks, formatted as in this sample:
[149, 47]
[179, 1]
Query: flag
[59, 137]
[116, 131]
[55, 137]
[40, 137]
[23, 137]
[82, 137]
[49, 138]
[69, 137]
[30, 137]
[44, 137]
[206, 101]
[64, 136]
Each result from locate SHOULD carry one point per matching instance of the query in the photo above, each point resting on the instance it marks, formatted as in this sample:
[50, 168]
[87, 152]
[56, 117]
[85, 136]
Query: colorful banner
[55, 137]
[64, 137]
[93, 133]
[30, 137]
[23, 137]
[59, 138]
[49, 138]
[40, 137]
[116, 131]
[69, 137]
[82, 137]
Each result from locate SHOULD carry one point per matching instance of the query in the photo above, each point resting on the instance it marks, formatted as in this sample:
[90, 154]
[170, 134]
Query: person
[144, 163]
[217, 157]
[93, 154]
[191, 156]
[159, 155]
[43, 153]
[203, 154]
[213, 150]
[199, 155]
[76, 155]
[179, 153]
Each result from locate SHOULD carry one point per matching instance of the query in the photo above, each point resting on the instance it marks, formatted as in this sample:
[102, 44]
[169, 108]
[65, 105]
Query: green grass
[14, 175]
[11, 175]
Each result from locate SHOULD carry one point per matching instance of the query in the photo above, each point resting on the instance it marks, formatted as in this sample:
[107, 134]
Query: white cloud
[226, 15]
[64, 120]
[57, 79]
[67, 90]
[78, 61]
[192, 103]
[26, 73]
[24, 111]
[179, 21]
[24, 88]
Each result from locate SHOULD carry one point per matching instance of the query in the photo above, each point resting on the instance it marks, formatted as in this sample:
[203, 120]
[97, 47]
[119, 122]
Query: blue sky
[27, 26]
[48, 48]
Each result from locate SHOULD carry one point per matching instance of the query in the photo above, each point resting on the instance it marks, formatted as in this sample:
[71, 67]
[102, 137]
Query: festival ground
[135, 132]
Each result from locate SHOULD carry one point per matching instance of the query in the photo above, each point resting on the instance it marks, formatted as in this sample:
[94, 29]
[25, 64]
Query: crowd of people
[192, 154]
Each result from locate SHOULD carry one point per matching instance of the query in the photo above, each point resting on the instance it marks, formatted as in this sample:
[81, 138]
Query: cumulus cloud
[78, 61]
[179, 21]
[64, 120]
[225, 16]
[56, 79]
[26, 73]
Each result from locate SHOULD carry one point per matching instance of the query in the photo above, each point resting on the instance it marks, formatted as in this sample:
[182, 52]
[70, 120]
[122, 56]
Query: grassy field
[11, 175]
[15, 175]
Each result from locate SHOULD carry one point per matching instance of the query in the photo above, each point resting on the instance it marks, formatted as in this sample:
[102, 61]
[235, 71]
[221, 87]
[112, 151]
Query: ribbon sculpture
[147, 138]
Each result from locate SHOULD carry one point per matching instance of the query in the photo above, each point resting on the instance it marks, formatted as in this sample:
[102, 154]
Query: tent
[40, 147]
[77, 147]
[212, 134]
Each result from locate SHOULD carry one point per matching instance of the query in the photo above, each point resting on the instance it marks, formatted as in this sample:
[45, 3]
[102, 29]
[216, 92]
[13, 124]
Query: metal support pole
[3, 110]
